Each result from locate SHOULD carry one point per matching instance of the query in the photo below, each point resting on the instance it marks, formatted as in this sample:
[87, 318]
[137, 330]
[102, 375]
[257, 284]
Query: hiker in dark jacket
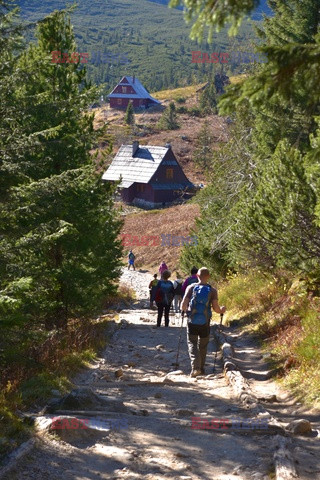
[163, 297]
[177, 285]
[189, 280]
[152, 289]
[131, 259]
[200, 297]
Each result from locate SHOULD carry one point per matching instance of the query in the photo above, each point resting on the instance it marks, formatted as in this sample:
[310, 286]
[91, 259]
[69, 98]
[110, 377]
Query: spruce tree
[203, 152]
[277, 218]
[61, 229]
[229, 174]
[208, 100]
[129, 116]
[168, 121]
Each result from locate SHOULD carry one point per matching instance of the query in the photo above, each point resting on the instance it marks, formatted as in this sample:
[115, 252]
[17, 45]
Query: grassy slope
[285, 316]
[177, 220]
[155, 37]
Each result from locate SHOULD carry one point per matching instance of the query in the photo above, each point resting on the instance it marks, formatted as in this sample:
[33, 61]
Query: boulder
[299, 427]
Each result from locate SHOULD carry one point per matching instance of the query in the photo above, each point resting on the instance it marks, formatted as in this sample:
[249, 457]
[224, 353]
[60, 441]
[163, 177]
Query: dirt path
[159, 442]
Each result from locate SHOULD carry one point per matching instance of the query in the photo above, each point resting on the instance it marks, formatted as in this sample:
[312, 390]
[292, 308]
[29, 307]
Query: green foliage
[203, 152]
[250, 292]
[161, 58]
[215, 14]
[208, 100]
[277, 224]
[58, 230]
[129, 116]
[229, 173]
[181, 100]
[261, 208]
[39, 388]
[168, 120]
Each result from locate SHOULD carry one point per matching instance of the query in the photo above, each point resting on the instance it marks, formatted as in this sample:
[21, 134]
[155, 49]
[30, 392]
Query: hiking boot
[195, 373]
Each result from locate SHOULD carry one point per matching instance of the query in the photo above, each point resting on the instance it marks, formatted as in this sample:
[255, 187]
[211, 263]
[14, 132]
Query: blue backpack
[200, 305]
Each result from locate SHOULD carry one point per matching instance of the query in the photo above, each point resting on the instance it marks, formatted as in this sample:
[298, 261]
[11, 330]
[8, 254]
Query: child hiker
[200, 297]
[152, 289]
[163, 297]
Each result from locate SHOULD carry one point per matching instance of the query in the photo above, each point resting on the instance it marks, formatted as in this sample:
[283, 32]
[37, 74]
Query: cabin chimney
[133, 79]
[135, 146]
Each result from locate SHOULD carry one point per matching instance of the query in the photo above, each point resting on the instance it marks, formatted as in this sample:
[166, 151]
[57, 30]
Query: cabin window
[140, 102]
[169, 173]
[140, 188]
[119, 101]
[124, 89]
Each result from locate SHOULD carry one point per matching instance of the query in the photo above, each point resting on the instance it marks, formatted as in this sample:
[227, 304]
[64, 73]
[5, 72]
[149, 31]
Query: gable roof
[139, 167]
[140, 91]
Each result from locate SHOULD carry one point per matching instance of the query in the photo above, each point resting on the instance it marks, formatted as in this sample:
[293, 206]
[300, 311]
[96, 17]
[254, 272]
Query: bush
[195, 112]
[182, 110]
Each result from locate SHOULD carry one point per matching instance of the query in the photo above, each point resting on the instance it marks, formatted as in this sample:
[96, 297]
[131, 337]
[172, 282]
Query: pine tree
[129, 116]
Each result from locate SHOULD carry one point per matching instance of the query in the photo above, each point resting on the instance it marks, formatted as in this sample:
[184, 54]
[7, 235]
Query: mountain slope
[154, 38]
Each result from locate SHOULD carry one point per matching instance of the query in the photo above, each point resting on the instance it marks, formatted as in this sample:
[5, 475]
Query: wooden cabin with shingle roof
[130, 89]
[150, 176]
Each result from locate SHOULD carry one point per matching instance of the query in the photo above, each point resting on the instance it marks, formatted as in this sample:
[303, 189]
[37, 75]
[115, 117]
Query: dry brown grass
[190, 127]
[176, 220]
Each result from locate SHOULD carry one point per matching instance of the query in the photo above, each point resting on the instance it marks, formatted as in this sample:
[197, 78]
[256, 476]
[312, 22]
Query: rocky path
[135, 381]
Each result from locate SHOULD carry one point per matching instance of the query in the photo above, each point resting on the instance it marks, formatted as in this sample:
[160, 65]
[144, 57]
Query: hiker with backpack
[190, 280]
[152, 288]
[177, 285]
[163, 297]
[131, 259]
[162, 268]
[199, 297]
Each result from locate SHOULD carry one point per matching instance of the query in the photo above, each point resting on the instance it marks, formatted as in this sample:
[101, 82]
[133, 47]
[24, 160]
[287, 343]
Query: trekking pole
[176, 364]
[215, 358]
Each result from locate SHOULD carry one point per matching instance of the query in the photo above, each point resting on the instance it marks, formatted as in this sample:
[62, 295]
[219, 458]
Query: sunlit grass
[287, 319]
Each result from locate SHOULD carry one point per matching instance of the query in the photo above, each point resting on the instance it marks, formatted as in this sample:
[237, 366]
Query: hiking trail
[134, 380]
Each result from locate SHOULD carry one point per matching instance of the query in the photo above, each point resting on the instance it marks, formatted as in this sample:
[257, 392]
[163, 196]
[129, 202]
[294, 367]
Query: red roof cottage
[129, 88]
[150, 176]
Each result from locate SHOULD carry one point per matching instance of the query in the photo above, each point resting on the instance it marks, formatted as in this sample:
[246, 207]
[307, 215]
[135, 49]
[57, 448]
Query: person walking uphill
[177, 285]
[189, 280]
[131, 259]
[162, 268]
[163, 297]
[152, 289]
[200, 297]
